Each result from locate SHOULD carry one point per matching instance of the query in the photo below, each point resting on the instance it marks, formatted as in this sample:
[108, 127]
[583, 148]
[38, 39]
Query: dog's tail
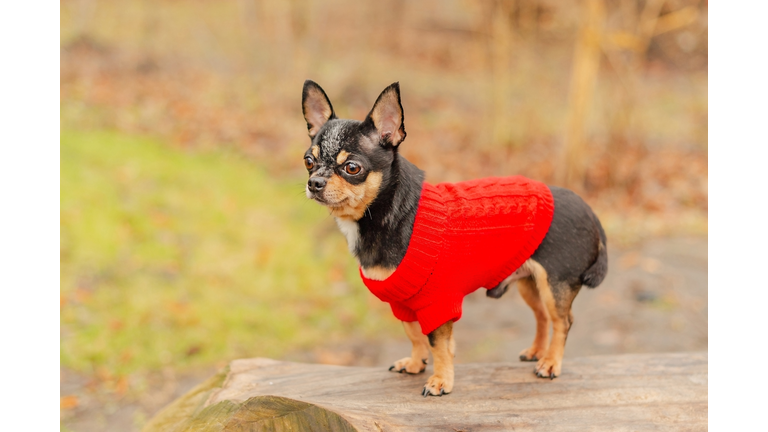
[595, 274]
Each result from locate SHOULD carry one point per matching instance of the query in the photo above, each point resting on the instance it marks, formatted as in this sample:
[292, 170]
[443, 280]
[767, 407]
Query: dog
[423, 247]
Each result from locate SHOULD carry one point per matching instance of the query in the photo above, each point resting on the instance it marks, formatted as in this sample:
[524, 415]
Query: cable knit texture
[466, 236]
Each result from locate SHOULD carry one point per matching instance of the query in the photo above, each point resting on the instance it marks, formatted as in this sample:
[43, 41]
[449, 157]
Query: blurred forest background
[186, 240]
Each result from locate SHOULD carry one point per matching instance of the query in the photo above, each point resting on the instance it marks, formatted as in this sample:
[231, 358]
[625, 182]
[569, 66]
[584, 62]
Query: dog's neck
[379, 240]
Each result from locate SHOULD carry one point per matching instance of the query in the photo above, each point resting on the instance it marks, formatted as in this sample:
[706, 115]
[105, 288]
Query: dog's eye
[352, 168]
[309, 163]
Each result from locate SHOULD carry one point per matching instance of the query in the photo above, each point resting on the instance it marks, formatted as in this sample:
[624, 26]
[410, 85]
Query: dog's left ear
[387, 116]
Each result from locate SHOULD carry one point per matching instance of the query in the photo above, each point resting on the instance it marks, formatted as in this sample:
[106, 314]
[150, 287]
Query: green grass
[172, 257]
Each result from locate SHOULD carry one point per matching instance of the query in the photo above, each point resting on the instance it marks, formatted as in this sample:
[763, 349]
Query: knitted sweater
[466, 236]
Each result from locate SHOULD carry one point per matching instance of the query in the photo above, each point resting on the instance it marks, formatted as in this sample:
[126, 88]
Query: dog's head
[350, 162]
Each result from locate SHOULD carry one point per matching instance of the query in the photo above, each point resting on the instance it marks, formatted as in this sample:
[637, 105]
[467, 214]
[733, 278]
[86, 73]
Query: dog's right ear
[316, 106]
[387, 116]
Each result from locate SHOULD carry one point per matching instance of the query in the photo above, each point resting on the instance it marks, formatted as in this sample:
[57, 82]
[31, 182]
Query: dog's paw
[532, 354]
[437, 386]
[548, 368]
[409, 365]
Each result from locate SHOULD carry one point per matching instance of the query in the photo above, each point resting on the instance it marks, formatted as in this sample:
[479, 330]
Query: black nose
[316, 184]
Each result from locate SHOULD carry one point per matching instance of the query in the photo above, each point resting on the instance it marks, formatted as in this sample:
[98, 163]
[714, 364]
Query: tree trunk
[620, 392]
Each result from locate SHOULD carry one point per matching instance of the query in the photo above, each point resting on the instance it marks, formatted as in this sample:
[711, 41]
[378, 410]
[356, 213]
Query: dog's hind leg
[557, 297]
[530, 294]
[443, 348]
[417, 362]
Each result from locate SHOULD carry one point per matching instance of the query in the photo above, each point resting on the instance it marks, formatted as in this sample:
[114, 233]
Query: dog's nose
[316, 184]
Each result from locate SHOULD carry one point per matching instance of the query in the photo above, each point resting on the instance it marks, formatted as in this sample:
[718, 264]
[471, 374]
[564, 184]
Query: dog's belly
[522, 272]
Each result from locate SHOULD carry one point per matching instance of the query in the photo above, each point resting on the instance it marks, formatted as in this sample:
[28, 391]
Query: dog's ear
[316, 106]
[387, 116]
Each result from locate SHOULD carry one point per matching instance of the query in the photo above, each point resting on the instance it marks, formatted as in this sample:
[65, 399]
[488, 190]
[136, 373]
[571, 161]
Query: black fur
[386, 227]
[497, 291]
[574, 250]
[385, 230]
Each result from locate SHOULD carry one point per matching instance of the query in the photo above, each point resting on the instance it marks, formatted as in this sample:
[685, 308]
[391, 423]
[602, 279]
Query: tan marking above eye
[316, 151]
[342, 157]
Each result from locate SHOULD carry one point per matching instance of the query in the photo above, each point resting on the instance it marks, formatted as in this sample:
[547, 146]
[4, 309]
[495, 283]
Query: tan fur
[417, 362]
[316, 151]
[442, 352]
[529, 293]
[378, 273]
[559, 311]
[342, 157]
[350, 201]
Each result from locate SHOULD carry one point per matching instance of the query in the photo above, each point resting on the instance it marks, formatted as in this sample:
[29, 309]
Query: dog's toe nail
[523, 358]
[392, 367]
[552, 375]
[442, 392]
[424, 361]
[402, 370]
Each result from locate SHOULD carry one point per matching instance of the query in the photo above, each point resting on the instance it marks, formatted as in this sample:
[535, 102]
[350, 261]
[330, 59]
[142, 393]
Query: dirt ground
[654, 299]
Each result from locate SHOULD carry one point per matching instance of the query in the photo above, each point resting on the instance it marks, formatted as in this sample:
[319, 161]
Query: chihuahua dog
[423, 247]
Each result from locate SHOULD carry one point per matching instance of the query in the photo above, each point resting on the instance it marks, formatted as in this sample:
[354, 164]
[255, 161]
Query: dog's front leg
[417, 362]
[443, 348]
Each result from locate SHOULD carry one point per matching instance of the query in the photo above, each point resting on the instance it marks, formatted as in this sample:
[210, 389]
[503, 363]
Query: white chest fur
[351, 231]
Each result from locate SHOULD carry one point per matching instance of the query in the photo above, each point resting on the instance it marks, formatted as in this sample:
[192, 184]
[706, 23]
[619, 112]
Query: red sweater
[466, 236]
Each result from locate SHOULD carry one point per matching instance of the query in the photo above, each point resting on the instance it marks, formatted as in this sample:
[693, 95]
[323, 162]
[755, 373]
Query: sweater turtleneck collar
[423, 251]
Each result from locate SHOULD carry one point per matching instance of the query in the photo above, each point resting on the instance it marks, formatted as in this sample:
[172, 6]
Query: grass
[171, 257]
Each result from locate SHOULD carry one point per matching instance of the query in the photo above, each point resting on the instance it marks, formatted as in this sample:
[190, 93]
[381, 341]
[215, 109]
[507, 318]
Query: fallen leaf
[121, 386]
[69, 402]
[194, 349]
